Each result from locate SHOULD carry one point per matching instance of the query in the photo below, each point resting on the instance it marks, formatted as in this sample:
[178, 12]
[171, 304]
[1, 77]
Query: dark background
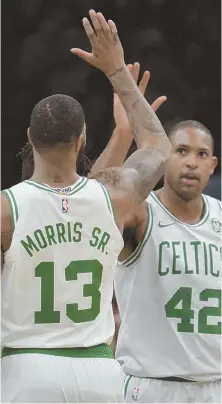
[177, 40]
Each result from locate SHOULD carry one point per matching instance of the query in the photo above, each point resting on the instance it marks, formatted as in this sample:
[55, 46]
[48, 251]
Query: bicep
[119, 183]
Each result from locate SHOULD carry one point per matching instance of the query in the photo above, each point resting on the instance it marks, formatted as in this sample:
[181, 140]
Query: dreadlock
[84, 164]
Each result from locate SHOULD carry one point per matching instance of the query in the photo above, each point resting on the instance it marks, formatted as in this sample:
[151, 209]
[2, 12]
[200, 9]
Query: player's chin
[187, 192]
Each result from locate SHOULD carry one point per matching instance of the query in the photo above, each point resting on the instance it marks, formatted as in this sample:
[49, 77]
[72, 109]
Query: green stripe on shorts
[98, 351]
[127, 380]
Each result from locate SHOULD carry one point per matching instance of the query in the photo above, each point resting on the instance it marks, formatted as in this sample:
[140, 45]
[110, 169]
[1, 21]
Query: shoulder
[213, 203]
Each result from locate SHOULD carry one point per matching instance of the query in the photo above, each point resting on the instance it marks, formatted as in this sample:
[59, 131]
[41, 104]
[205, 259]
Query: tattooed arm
[118, 146]
[130, 185]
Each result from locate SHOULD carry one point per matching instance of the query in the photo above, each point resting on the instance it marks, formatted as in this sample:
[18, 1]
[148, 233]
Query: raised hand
[107, 52]
[119, 113]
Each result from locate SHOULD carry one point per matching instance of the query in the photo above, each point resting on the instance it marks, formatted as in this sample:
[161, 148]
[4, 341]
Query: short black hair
[58, 119]
[191, 124]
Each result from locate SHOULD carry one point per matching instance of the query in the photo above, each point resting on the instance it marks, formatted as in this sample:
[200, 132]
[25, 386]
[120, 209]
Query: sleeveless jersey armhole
[108, 199]
[12, 205]
[219, 204]
[137, 252]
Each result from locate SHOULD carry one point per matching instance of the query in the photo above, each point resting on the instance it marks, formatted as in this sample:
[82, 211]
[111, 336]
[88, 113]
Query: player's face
[191, 163]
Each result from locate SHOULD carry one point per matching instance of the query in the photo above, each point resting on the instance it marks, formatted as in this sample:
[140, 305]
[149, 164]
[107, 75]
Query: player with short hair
[61, 236]
[169, 289]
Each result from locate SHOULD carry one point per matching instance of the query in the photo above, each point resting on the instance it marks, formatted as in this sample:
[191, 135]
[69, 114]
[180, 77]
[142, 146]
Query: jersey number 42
[184, 296]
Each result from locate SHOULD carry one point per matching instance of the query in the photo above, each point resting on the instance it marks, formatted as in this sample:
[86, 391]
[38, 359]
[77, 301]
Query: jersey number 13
[47, 314]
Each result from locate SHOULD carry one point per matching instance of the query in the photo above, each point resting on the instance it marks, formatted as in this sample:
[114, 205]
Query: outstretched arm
[128, 186]
[119, 144]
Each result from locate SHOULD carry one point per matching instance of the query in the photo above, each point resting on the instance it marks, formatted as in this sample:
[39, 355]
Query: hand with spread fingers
[119, 112]
[107, 52]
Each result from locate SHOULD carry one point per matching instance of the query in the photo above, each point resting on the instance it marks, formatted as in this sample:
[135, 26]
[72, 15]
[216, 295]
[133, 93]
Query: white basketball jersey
[57, 283]
[169, 297]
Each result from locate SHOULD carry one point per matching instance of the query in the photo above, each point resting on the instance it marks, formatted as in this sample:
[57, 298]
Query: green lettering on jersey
[99, 239]
[193, 257]
[185, 257]
[60, 227]
[45, 271]
[29, 245]
[196, 244]
[50, 234]
[69, 232]
[213, 247]
[89, 290]
[47, 314]
[104, 241]
[161, 271]
[77, 233]
[41, 241]
[175, 258]
[95, 237]
[185, 313]
[205, 258]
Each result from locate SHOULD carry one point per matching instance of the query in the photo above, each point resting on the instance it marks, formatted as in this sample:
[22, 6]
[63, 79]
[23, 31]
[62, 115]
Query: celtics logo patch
[216, 225]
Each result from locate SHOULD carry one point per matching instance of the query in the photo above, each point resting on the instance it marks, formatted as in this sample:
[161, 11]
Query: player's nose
[192, 161]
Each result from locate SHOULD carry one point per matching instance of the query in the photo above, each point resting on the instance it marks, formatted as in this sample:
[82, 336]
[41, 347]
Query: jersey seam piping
[200, 223]
[82, 183]
[12, 206]
[133, 257]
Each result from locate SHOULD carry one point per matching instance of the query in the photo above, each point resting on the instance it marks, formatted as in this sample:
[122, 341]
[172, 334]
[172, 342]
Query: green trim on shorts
[12, 205]
[98, 351]
[127, 380]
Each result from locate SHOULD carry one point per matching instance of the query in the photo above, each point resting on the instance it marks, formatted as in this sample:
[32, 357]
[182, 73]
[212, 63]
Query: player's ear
[214, 164]
[78, 144]
[81, 141]
[83, 134]
[29, 137]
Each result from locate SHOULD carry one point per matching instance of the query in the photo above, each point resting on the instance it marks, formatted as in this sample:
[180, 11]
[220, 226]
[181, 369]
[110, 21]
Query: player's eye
[203, 154]
[181, 151]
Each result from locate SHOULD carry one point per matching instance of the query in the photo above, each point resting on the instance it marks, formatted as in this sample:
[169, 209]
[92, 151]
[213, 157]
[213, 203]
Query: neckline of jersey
[79, 184]
[202, 220]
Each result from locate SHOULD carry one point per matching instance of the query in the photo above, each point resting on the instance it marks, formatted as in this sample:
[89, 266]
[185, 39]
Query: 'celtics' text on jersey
[169, 296]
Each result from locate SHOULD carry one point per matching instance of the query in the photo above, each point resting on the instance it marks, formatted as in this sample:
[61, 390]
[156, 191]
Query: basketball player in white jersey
[61, 236]
[169, 290]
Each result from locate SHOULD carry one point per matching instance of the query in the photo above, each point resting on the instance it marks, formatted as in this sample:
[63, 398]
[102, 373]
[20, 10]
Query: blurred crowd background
[177, 40]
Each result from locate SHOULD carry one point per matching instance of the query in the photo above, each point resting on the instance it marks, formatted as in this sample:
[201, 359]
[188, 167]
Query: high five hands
[107, 52]
[107, 55]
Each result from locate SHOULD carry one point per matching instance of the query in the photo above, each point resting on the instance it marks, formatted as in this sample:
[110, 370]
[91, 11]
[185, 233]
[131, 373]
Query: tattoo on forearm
[144, 123]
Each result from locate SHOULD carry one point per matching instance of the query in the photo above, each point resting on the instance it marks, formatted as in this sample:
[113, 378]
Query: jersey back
[58, 273]
[169, 297]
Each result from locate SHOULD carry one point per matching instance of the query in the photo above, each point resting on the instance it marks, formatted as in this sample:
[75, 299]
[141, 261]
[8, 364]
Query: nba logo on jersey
[135, 394]
[65, 205]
